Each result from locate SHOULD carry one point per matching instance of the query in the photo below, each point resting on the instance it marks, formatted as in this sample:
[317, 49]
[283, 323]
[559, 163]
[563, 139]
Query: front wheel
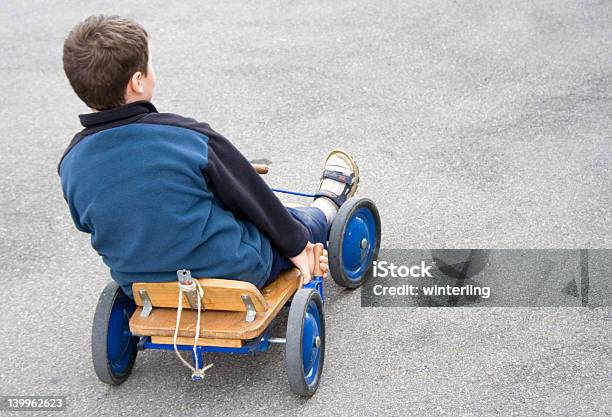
[113, 347]
[354, 241]
[305, 342]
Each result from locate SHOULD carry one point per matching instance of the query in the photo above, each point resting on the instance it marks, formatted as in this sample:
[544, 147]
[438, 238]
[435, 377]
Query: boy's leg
[338, 183]
[313, 219]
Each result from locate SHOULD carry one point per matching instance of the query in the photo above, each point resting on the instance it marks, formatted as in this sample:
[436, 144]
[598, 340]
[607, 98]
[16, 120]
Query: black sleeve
[236, 183]
[245, 193]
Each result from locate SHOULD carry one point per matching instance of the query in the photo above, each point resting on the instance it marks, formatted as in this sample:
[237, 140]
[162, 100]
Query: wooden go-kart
[234, 316]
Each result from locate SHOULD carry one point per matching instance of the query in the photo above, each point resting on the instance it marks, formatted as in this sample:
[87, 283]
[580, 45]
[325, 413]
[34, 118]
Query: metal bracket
[141, 342]
[184, 277]
[147, 307]
[251, 312]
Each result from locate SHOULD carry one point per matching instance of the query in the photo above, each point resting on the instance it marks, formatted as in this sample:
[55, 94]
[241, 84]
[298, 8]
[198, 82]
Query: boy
[159, 192]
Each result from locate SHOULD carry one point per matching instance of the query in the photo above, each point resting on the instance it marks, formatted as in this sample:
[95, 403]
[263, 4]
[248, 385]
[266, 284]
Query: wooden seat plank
[219, 324]
[219, 294]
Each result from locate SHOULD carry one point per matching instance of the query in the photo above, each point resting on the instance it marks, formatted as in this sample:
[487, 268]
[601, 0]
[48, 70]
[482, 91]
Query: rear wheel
[113, 347]
[305, 342]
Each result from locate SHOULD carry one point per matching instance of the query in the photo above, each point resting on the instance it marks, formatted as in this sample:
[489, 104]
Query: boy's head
[108, 62]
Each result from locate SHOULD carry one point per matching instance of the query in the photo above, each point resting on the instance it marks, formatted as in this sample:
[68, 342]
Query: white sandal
[340, 177]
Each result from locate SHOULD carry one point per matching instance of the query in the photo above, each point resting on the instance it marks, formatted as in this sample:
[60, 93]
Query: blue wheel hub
[311, 342]
[358, 243]
[120, 342]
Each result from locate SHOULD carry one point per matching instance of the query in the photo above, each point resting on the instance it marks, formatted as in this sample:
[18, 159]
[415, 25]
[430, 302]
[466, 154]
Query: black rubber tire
[99, 336]
[336, 237]
[293, 345]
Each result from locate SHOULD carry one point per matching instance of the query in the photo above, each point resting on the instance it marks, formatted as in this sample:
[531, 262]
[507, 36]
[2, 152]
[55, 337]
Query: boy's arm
[245, 193]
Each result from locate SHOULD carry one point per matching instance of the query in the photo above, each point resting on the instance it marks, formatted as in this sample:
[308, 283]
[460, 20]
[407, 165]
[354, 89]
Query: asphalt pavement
[476, 125]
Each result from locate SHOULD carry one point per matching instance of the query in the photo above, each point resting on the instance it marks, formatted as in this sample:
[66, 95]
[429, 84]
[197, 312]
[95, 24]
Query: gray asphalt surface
[475, 124]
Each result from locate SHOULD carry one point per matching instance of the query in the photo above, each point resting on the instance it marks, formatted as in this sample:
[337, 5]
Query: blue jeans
[315, 222]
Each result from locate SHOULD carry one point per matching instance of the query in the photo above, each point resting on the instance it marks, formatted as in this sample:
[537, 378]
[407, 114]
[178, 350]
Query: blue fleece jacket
[160, 192]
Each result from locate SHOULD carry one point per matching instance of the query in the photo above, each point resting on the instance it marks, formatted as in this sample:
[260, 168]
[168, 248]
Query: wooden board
[169, 340]
[219, 294]
[219, 324]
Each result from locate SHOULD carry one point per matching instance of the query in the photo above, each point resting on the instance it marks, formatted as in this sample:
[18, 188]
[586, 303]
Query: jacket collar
[116, 114]
[98, 121]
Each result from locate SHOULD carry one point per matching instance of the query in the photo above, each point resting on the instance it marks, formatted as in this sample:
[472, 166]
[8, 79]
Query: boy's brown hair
[101, 54]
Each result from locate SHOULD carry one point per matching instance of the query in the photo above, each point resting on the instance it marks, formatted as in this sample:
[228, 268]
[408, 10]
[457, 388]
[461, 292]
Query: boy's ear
[135, 84]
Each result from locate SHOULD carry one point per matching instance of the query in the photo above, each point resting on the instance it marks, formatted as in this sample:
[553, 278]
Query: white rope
[197, 372]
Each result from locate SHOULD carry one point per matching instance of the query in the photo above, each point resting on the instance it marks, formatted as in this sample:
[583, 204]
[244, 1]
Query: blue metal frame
[317, 284]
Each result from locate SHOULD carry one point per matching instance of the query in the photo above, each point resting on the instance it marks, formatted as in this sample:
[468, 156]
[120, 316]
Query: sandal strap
[339, 200]
[338, 176]
[347, 180]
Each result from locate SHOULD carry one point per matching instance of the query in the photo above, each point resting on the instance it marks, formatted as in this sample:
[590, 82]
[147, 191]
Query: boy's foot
[340, 177]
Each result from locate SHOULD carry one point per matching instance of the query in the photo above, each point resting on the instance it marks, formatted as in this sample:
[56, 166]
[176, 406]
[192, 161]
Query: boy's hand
[304, 261]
